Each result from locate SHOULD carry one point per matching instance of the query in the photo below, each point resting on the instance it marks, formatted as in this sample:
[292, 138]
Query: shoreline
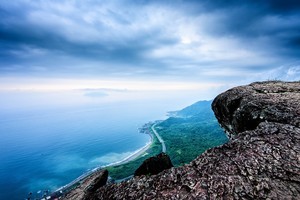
[64, 190]
[134, 155]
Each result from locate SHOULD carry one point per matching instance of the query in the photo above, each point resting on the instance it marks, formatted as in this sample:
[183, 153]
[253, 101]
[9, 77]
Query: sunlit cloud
[89, 85]
[170, 44]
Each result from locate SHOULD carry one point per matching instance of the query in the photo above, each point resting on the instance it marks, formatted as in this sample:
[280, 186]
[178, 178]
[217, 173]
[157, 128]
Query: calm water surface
[44, 145]
[44, 149]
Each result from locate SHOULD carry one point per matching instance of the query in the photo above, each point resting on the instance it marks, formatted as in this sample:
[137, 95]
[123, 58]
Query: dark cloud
[266, 6]
[272, 25]
[16, 32]
[148, 38]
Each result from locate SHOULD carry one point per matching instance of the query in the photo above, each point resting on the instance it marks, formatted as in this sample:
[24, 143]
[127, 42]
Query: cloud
[94, 94]
[140, 39]
[285, 72]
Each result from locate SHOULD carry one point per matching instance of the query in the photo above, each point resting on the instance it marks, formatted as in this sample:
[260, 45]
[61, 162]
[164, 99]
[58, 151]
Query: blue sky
[147, 44]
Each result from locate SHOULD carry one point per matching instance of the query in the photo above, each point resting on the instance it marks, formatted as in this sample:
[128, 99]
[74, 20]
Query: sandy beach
[133, 156]
[68, 191]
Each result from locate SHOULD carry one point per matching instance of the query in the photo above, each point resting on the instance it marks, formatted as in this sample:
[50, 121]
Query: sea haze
[49, 139]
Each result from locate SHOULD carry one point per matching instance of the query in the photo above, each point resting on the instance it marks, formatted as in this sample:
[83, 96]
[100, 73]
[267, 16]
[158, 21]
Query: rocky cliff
[261, 161]
[244, 108]
[87, 187]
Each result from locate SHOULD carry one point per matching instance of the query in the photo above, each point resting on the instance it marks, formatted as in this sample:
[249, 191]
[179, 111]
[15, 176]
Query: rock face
[261, 161]
[243, 108]
[88, 186]
[97, 182]
[154, 165]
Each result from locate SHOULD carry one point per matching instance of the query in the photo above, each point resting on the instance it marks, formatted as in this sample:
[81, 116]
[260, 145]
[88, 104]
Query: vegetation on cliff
[187, 133]
[191, 131]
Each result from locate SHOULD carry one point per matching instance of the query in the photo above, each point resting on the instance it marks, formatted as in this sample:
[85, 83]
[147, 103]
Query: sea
[49, 139]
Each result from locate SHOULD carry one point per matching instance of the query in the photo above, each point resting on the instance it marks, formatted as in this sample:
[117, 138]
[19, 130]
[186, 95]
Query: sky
[147, 45]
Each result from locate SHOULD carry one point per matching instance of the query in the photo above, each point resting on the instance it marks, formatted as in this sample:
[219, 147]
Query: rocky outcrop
[88, 186]
[154, 165]
[243, 108]
[261, 161]
[97, 182]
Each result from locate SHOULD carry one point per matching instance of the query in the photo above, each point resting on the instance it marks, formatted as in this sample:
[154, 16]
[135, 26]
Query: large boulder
[88, 186]
[98, 182]
[154, 165]
[245, 107]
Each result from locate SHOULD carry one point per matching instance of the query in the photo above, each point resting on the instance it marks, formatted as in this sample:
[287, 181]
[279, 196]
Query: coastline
[92, 174]
[134, 155]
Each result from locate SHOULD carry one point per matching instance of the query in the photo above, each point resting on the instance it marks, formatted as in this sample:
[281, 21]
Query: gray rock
[98, 182]
[88, 186]
[243, 108]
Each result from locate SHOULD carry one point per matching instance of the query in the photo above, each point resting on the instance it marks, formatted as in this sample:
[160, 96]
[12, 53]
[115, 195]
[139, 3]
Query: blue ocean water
[46, 148]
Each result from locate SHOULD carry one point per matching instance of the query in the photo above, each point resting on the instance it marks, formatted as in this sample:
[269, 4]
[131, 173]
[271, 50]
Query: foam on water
[45, 152]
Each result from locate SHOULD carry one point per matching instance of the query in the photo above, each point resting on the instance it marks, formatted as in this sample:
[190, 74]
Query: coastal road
[164, 149]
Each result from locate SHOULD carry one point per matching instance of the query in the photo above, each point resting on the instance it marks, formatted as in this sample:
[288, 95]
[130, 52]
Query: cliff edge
[245, 107]
[261, 160]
